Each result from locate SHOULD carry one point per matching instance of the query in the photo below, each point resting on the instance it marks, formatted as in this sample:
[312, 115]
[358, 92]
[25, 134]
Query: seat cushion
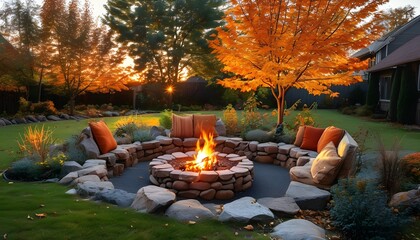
[299, 136]
[182, 126]
[103, 136]
[204, 123]
[311, 137]
[347, 150]
[330, 134]
[326, 165]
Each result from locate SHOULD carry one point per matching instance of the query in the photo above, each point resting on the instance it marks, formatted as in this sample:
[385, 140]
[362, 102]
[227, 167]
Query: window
[385, 87]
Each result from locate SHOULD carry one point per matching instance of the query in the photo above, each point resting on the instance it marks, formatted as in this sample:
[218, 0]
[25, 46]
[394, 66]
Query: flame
[205, 159]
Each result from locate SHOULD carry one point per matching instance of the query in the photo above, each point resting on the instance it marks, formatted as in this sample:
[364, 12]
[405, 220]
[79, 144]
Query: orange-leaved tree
[282, 44]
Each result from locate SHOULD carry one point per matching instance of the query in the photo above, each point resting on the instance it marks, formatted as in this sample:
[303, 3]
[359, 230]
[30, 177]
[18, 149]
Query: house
[393, 73]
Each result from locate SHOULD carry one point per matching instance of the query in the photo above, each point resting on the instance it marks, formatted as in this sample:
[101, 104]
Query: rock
[308, 196]
[41, 118]
[89, 147]
[151, 199]
[224, 194]
[91, 178]
[70, 166]
[188, 210]
[220, 127]
[264, 159]
[71, 191]
[244, 210]
[2, 123]
[157, 131]
[405, 199]
[20, 120]
[268, 147]
[180, 185]
[32, 118]
[64, 116]
[94, 162]
[69, 178]
[118, 197]
[189, 194]
[7, 122]
[208, 194]
[164, 140]
[98, 170]
[283, 205]
[91, 188]
[107, 114]
[298, 229]
[53, 118]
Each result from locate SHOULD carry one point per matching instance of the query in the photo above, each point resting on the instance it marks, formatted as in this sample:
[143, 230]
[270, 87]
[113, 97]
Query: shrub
[395, 91]
[25, 169]
[390, 168]
[258, 135]
[305, 117]
[411, 167]
[74, 152]
[142, 135]
[24, 106]
[372, 96]
[251, 117]
[360, 211]
[35, 143]
[230, 118]
[106, 107]
[350, 110]
[45, 108]
[364, 111]
[165, 119]
[407, 99]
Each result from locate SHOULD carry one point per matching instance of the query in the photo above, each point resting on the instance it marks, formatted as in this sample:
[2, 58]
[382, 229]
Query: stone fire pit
[221, 183]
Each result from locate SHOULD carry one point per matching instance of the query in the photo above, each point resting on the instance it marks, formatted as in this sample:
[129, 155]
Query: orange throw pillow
[331, 134]
[103, 136]
[204, 123]
[311, 137]
[182, 126]
[299, 136]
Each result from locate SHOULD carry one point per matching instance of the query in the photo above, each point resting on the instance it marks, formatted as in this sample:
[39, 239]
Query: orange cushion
[331, 134]
[206, 123]
[182, 126]
[299, 136]
[311, 137]
[103, 136]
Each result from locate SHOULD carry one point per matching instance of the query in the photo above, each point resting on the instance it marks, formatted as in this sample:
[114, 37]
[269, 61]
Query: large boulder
[118, 197]
[283, 205]
[93, 162]
[53, 118]
[2, 123]
[69, 178]
[308, 196]
[298, 229]
[220, 127]
[99, 170]
[90, 147]
[90, 188]
[244, 210]
[70, 166]
[151, 199]
[188, 210]
[406, 199]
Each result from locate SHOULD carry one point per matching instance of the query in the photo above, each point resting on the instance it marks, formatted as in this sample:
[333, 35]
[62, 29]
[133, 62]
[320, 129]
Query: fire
[205, 159]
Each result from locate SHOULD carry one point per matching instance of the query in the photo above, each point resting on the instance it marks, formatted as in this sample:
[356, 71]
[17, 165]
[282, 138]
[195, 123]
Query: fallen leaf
[42, 205]
[166, 224]
[41, 215]
[30, 218]
[191, 222]
[10, 182]
[5, 236]
[249, 227]
[236, 233]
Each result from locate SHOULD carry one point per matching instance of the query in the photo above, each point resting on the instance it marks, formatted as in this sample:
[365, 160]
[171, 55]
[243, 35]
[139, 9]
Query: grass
[69, 217]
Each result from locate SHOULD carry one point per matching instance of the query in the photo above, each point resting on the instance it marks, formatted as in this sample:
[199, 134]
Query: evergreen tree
[407, 99]
[372, 97]
[164, 35]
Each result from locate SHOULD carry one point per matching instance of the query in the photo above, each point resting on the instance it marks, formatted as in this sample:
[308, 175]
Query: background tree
[296, 43]
[84, 56]
[393, 18]
[164, 35]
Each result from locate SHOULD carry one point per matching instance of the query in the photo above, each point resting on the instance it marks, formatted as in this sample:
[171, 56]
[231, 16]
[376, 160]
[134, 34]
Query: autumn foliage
[296, 43]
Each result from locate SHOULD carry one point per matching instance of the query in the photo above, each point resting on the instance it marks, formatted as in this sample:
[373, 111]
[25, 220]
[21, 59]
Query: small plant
[35, 143]
[411, 167]
[361, 137]
[24, 106]
[360, 211]
[165, 119]
[251, 117]
[142, 135]
[45, 108]
[305, 117]
[230, 118]
[390, 168]
[25, 169]
[364, 111]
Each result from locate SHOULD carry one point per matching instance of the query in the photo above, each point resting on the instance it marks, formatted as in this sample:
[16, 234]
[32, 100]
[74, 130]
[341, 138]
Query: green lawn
[69, 217]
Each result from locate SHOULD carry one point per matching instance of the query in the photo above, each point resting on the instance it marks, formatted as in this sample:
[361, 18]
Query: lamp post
[170, 91]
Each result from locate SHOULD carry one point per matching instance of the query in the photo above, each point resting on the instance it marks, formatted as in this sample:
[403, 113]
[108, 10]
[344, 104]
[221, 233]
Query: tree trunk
[40, 84]
[72, 102]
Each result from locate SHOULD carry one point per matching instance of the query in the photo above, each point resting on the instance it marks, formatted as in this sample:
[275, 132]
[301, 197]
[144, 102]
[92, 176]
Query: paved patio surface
[269, 181]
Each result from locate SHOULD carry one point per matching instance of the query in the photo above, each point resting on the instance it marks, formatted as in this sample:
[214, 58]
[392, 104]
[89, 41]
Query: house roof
[384, 40]
[409, 52]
